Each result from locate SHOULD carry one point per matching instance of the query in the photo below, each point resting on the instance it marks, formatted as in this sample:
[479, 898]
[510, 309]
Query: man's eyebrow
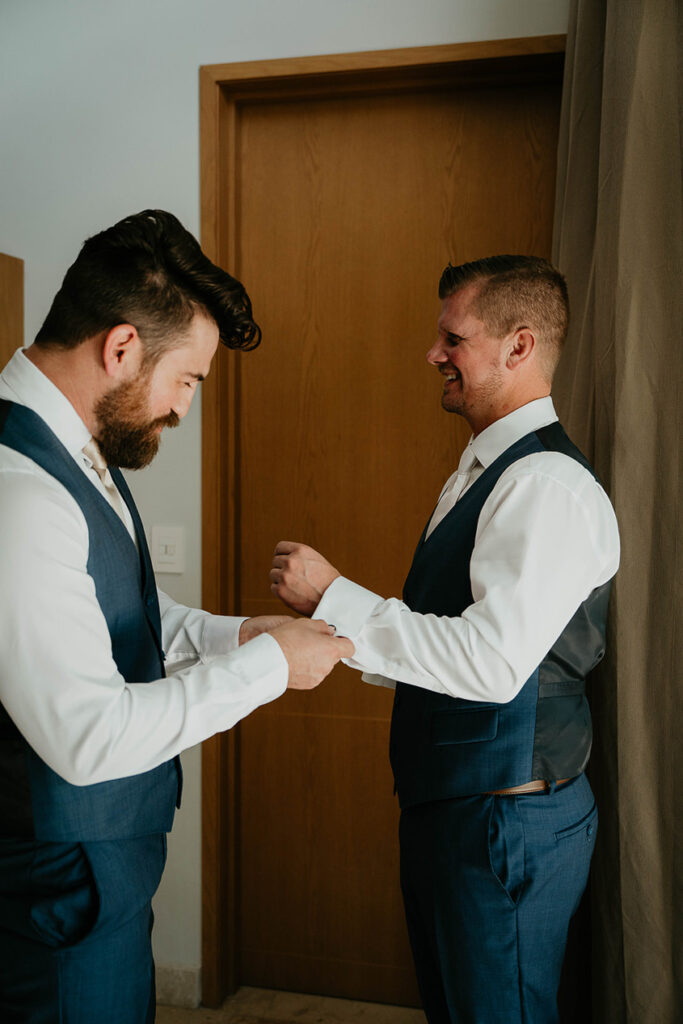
[195, 376]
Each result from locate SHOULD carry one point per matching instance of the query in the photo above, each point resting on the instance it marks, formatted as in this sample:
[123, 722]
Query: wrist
[331, 577]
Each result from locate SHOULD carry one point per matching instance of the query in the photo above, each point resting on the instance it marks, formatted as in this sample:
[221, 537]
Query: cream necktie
[92, 450]
[468, 461]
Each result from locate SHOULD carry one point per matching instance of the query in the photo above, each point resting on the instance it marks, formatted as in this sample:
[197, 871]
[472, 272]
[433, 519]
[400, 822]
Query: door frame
[222, 88]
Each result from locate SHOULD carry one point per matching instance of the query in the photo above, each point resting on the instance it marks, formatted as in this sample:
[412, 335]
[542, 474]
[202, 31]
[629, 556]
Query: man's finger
[345, 645]
[322, 626]
[285, 547]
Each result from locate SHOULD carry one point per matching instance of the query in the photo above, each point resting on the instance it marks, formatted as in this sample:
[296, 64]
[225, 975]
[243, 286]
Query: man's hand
[261, 624]
[300, 576]
[311, 650]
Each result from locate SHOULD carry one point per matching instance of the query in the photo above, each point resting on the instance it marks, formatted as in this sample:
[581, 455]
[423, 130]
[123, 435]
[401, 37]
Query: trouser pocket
[587, 826]
[507, 846]
[127, 873]
[64, 900]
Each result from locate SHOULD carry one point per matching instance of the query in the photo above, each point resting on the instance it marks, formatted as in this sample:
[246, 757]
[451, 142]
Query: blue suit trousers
[490, 884]
[75, 931]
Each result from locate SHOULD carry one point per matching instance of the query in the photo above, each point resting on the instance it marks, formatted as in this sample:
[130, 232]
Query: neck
[73, 372]
[504, 406]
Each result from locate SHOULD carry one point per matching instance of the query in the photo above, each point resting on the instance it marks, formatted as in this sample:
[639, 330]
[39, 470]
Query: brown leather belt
[537, 786]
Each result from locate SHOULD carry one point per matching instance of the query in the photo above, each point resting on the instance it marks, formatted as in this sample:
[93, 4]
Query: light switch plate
[168, 549]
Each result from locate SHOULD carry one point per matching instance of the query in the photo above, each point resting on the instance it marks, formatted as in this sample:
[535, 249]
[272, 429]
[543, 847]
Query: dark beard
[126, 438]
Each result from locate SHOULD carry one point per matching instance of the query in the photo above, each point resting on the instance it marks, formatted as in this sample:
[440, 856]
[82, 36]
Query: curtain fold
[619, 240]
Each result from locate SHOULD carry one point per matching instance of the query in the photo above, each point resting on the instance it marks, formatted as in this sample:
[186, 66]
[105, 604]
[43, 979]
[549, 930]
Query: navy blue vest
[443, 746]
[35, 802]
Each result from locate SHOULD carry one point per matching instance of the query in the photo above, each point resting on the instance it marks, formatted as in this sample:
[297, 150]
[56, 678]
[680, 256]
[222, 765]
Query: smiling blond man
[502, 617]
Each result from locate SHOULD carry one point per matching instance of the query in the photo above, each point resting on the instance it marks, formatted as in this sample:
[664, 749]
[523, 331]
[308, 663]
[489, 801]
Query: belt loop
[552, 786]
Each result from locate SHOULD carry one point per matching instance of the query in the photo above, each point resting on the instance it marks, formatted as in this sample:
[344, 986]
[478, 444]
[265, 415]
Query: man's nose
[437, 354]
[181, 406]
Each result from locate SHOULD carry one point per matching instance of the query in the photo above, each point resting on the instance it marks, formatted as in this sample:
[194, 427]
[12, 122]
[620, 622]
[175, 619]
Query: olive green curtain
[619, 240]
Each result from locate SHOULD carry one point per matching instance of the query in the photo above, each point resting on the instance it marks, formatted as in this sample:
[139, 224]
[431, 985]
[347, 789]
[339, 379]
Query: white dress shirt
[58, 679]
[468, 469]
[546, 537]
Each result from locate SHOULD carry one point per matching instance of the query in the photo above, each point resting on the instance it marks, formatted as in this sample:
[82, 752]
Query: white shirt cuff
[378, 680]
[347, 606]
[220, 635]
[262, 663]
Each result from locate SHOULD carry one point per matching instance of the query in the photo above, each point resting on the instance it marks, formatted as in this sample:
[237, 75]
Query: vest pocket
[462, 726]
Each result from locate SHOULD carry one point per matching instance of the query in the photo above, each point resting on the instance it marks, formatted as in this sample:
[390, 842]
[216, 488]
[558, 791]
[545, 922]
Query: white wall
[98, 119]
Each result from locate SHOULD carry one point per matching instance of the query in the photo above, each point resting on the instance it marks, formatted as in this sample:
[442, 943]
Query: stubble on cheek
[452, 398]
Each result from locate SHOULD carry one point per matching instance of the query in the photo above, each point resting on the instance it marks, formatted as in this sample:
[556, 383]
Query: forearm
[90, 728]
[446, 655]
[542, 545]
[190, 635]
[58, 679]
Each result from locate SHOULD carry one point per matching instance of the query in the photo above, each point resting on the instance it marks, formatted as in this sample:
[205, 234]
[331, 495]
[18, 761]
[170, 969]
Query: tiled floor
[261, 1006]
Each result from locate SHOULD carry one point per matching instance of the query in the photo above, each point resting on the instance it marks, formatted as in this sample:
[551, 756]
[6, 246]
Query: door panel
[349, 208]
[11, 306]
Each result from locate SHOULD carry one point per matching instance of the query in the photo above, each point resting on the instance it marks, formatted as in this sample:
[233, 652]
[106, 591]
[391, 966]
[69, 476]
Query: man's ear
[520, 347]
[122, 351]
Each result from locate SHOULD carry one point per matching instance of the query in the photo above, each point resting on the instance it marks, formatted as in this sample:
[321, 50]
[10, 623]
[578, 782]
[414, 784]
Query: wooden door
[11, 306]
[350, 203]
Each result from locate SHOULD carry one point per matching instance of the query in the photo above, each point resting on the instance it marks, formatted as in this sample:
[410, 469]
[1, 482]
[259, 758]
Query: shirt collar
[22, 382]
[493, 441]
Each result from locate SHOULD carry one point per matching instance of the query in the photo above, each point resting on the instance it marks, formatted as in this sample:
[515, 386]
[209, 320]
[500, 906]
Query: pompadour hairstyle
[514, 292]
[149, 271]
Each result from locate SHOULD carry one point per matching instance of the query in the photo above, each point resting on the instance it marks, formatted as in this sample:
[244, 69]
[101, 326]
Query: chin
[140, 455]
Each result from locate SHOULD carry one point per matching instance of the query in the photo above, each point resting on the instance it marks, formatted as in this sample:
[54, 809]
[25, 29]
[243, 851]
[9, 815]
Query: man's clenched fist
[300, 576]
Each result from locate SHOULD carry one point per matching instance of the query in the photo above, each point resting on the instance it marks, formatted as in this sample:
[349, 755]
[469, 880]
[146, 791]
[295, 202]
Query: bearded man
[103, 679]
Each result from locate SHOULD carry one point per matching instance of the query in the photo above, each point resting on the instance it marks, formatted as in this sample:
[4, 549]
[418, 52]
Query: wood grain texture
[219, 523]
[383, 60]
[350, 209]
[217, 936]
[11, 306]
[354, 208]
[320, 821]
[342, 187]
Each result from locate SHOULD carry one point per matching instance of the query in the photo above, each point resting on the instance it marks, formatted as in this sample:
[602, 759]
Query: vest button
[149, 600]
[589, 830]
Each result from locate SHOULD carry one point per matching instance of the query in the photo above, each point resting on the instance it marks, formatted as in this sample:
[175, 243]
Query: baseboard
[179, 986]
